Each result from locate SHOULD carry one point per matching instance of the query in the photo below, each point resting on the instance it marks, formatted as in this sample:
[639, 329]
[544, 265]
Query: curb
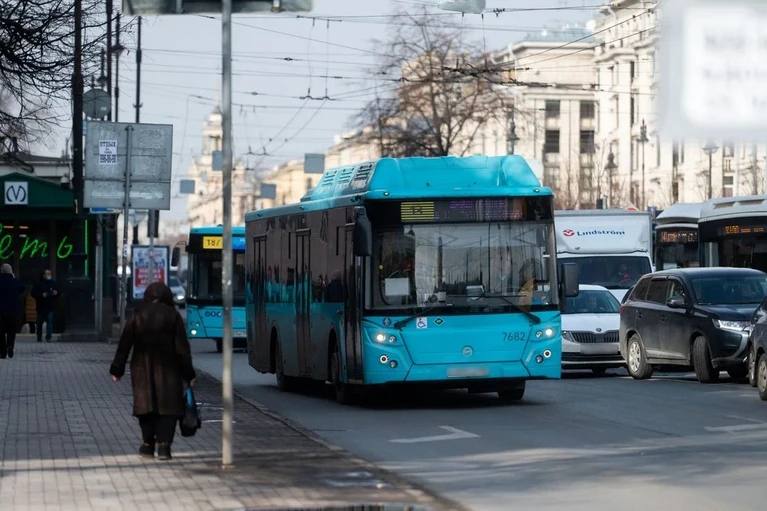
[417, 488]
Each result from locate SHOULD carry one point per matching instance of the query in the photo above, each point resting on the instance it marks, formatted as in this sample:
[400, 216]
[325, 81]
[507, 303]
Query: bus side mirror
[175, 256]
[569, 280]
[363, 234]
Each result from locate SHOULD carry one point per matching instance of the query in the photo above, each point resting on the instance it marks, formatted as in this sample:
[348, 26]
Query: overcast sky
[181, 70]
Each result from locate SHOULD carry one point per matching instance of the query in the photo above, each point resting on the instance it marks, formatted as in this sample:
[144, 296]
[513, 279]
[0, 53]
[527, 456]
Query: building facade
[650, 170]
[553, 118]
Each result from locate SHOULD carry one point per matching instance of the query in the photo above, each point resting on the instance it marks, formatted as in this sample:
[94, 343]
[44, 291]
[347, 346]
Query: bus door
[258, 331]
[303, 301]
[352, 308]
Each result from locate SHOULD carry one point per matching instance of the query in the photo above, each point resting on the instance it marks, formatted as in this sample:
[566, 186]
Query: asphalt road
[580, 443]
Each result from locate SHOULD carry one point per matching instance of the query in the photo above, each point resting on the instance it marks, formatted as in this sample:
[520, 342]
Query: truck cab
[612, 248]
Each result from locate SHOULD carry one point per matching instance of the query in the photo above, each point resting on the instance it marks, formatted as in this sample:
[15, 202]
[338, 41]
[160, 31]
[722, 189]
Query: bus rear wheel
[342, 391]
[284, 383]
[511, 393]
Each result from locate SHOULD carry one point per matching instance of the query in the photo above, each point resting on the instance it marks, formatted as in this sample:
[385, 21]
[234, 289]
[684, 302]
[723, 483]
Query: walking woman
[160, 365]
[10, 290]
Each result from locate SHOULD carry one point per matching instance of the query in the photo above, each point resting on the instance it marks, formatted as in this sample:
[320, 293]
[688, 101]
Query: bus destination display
[682, 236]
[737, 230]
[463, 210]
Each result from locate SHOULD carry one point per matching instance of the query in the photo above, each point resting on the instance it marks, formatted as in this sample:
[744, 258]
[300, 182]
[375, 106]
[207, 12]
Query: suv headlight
[733, 326]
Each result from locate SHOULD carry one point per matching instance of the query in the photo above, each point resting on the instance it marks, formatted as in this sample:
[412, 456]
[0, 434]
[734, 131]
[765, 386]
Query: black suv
[697, 317]
[757, 367]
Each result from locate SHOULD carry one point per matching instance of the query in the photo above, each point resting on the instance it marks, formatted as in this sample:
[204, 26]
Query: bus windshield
[462, 266]
[619, 272]
[205, 276]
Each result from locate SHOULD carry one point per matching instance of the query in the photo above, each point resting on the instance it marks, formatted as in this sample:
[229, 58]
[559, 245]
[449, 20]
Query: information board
[140, 267]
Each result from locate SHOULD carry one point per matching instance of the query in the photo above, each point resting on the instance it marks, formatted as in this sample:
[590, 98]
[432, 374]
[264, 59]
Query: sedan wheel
[761, 377]
[637, 360]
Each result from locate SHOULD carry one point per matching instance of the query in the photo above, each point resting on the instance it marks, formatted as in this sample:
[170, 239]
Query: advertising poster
[144, 258]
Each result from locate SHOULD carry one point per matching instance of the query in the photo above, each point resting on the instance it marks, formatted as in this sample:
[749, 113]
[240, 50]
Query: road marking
[454, 434]
[736, 428]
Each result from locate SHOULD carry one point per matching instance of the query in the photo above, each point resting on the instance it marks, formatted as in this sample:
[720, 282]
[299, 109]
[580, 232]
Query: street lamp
[710, 148]
[642, 140]
[610, 167]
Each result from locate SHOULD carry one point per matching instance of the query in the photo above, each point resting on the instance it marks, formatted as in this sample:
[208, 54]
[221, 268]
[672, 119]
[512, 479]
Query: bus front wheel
[342, 391]
[511, 393]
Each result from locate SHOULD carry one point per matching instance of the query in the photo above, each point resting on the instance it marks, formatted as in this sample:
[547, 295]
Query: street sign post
[128, 165]
[226, 8]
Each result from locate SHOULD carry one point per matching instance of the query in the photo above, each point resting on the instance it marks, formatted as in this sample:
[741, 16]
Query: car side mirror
[569, 280]
[175, 256]
[677, 302]
[363, 234]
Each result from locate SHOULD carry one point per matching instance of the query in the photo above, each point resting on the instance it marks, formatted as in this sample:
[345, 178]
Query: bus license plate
[467, 372]
[239, 334]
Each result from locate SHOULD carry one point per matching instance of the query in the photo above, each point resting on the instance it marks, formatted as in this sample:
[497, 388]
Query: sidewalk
[69, 442]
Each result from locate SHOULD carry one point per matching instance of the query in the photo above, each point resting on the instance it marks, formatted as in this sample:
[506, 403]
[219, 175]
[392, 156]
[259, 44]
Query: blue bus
[438, 271]
[204, 310]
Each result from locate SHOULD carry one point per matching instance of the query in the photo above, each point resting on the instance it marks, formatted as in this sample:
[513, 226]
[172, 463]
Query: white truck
[612, 247]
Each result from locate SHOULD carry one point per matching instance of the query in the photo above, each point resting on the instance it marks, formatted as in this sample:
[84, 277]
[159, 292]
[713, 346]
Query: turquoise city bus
[204, 310]
[438, 271]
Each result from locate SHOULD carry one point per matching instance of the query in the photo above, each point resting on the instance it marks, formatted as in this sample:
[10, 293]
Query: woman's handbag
[190, 422]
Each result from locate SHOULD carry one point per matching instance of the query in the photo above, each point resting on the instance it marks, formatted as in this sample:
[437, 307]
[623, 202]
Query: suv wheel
[637, 364]
[701, 361]
[761, 376]
[751, 364]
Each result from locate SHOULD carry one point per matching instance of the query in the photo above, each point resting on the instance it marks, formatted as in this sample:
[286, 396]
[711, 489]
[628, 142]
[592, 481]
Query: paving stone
[68, 441]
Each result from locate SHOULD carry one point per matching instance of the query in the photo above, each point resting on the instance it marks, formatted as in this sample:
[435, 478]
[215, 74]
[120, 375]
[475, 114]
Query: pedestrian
[10, 291]
[46, 294]
[160, 366]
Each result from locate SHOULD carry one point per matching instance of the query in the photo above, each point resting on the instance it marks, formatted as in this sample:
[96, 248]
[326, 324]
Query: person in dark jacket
[45, 293]
[160, 366]
[10, 291]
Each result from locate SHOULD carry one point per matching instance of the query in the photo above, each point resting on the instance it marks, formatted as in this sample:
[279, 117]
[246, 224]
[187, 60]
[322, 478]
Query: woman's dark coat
[161, 361]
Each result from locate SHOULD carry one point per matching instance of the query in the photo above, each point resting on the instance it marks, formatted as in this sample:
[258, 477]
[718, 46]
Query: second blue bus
[204, 308]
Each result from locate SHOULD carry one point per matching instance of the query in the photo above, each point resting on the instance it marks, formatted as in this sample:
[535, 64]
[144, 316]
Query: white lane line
[454, 434]
[735, 429]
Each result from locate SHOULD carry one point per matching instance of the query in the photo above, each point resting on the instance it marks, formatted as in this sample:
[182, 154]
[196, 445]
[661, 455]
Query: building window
[309, 185]
[632, 70]
[552, 109]
[728, 182]
[728, 149]
[632, 107]
[588, 110]
[727, 165]
[551, 145]
[587, 142]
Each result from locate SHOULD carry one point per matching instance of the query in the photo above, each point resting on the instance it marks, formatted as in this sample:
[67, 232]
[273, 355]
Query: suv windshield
[619, 272]
[462, 265]
[591, 302]
[730, 290]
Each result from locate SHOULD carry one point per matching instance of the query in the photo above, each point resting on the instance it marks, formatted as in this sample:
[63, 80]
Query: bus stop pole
[126, 212]
[226, 270]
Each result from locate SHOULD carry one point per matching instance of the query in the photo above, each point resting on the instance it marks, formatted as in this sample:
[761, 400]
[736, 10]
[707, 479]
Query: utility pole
[226, 270]
[109, 54]
[117, 49]
[642, 140]
[512, 137]
[77, 109]
[137, 105]
[610, 168]
[710, 148]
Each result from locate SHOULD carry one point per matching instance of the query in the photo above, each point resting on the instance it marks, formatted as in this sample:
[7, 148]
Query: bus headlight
[546, 333]
[193, 332]
[382, 338]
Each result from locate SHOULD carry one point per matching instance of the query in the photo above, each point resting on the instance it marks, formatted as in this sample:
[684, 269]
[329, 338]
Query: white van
[611, 247]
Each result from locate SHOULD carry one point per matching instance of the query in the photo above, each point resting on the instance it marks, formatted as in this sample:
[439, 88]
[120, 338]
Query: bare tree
[36, 62]
[439, 105]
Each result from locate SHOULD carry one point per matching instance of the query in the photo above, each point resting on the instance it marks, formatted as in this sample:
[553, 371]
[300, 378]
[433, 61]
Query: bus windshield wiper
[532, 317]
[420, 312]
